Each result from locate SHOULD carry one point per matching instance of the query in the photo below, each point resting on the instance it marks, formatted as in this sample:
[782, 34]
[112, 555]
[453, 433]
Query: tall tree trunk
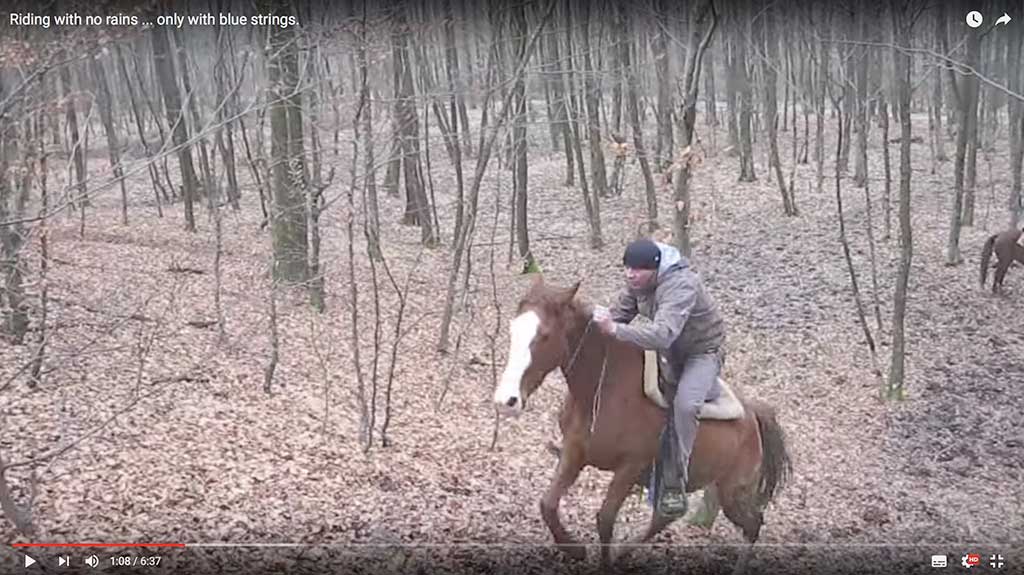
[554, 66]
[80, 195]
[165, 70]
[746, 109]
[107, 117]
[369, 168]
[417, 207]
[288, 221]
[16, 182]
[488, 135]
[519, 138]
[732, 83]
[824, 56]
[225, 139]
[768, 67]
[591, 208]
[663, 71]
[937, 99]
[626, 27]
[972, 85]
[455, 100]
[699, 40]
[192, 101]
[592, 91]
[1016, 112]
[154, 175]
[860, 168]
[902, 36]
[710, 105]
[965, 94]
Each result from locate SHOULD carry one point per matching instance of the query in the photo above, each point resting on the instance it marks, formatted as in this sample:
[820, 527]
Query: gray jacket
[685, 319]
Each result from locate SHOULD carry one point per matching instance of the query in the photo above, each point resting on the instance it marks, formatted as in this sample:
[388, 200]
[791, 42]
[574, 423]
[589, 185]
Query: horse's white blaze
[522, 330]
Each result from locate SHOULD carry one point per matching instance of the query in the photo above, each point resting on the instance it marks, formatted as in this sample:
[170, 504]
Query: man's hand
[603, 319]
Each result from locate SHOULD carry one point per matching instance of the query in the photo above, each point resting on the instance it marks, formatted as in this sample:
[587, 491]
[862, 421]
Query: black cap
[642, 254]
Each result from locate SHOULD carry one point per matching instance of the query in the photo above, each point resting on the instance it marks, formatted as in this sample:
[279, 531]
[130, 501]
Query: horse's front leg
[619, 488]
[569, 465]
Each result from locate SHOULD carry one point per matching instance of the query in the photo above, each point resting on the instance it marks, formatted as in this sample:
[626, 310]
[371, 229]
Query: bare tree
[650, 192]
[1016, 113]
[592, 95]
[518, 16]
[903, 17]
[165, 69]
[665, 82]
[700, 14]
[487, 139]
[289, 223]
[417, 206]
[768, 66]
[746, 146]
[106, 105]
[965, 94]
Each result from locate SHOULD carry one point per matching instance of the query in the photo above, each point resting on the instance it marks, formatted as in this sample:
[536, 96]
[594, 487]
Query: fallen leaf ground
[195, 451]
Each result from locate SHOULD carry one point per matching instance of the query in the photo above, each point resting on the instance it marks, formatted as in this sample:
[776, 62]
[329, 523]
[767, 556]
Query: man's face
[639, 279]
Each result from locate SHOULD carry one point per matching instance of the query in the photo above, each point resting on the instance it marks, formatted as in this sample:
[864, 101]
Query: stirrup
[672, 503]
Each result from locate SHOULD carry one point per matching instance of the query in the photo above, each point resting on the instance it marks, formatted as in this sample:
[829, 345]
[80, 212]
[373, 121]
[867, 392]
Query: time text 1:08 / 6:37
[134, 561]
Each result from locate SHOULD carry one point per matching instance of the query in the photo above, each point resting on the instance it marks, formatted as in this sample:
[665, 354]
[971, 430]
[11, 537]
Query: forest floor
[188, 447]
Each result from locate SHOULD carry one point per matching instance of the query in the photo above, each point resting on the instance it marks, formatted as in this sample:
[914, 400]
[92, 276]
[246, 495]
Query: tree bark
[560, 101]
[771, 103]
[860, 166]
[289, 222]
[592, 92]
[1016, 112]
[663, 70]
[699, 40]
[165, 69]
[650, 192]
[746, 109]
[902, 37]
[417, 206]
[519, 30]
[107, 118]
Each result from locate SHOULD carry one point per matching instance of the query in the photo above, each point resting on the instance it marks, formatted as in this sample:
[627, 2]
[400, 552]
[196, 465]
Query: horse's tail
[986, 256]
[776, 466]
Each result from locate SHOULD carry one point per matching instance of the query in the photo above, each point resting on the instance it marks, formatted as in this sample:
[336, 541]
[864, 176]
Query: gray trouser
[698, 383]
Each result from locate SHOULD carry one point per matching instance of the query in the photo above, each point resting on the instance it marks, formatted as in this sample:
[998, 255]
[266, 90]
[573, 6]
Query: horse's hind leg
[706, 513]
[1000, 274]
[740, 506]
[619, 488]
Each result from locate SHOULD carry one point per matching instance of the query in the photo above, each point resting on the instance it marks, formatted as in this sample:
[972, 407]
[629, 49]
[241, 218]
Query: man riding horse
[686, 329]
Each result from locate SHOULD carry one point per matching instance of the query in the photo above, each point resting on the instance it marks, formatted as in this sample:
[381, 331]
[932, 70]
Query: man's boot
[672, 493]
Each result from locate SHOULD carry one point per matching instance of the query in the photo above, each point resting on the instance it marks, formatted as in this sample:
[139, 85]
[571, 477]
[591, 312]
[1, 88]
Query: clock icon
[974, 19]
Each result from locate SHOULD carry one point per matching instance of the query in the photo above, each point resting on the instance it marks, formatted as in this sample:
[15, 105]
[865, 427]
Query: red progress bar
[97, 544]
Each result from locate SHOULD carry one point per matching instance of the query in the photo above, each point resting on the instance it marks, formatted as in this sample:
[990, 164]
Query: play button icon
[29, 561]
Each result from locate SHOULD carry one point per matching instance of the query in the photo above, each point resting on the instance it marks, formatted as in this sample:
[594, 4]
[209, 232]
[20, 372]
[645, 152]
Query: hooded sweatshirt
[685, 319]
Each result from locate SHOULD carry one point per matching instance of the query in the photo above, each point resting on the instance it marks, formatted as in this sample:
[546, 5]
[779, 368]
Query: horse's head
[539, 342]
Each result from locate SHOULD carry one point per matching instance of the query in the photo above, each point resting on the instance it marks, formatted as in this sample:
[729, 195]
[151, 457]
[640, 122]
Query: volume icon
[92, 561]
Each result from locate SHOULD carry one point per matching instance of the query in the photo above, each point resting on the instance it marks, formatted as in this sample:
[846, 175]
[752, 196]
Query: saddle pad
[726, 406]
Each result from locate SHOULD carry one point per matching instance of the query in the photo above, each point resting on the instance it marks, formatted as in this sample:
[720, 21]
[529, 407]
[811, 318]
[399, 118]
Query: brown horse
[1007, 247]
[608, 422]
